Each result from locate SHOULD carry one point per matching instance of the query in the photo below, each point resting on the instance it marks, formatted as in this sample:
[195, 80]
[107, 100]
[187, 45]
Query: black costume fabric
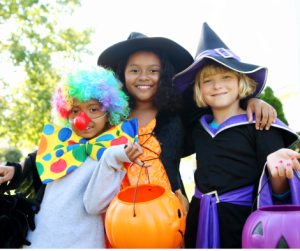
[232, 159]
[16, 211]
[28, 183]
[169, 132]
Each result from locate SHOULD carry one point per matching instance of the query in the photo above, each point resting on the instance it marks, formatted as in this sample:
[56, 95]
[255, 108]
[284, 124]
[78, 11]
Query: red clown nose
[81, 121]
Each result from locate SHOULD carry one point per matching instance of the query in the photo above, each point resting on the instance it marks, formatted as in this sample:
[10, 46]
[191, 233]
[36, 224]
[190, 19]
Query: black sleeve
[189, 147]
[17, 210]
[170, 133]
[190, 113]
[267, 142]
[29, 181]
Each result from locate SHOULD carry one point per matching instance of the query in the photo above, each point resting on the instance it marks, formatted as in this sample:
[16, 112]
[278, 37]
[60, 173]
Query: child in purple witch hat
[231, 154]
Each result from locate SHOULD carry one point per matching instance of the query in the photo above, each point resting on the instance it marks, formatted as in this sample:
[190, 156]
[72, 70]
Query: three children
[83, 167]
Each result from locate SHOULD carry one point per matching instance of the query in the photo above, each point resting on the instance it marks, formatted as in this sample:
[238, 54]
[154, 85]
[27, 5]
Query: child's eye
[226, 77]
[75, 111]
[94, 109]
[154, 71]
[134, 71]
[206, 81]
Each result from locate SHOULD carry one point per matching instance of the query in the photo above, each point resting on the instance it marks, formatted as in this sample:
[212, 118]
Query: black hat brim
[180, 58]
[185, 79]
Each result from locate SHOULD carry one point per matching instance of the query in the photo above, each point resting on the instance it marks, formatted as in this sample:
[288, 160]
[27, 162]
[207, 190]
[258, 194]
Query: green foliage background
[35, 48]
[269, 97]
[10, 154]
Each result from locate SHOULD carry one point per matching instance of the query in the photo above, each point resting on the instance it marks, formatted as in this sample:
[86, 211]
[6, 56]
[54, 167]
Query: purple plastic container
[273, 227]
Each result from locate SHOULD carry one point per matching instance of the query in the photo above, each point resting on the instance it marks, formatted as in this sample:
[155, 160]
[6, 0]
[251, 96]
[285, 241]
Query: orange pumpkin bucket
[155, 219]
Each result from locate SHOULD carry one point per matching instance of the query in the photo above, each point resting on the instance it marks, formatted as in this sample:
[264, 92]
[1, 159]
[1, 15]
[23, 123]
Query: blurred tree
[10, 154]
[269, 97]
[36, 47]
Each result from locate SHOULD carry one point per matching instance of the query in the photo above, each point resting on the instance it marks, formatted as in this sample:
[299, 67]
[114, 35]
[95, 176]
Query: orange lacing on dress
[155, 174]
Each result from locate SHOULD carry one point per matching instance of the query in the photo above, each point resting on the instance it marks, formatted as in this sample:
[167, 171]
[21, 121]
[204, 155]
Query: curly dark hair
[166, 97]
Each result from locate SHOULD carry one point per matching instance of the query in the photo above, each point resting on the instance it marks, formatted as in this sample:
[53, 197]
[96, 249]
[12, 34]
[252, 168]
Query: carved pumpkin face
[159, 220]
[273, 227]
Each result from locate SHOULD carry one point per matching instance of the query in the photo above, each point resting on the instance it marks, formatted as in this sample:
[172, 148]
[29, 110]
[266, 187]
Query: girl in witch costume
[231, 154]
[78, 162]
[146, 66]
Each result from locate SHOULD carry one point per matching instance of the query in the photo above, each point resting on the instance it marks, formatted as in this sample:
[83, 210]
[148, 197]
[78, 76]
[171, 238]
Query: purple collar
[242, 120]
[232, 121]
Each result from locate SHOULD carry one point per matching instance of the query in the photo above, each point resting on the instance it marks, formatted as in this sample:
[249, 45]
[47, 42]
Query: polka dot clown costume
[81, 175]
[67, 155]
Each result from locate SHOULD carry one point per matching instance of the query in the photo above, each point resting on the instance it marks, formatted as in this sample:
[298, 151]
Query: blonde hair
[247, 85]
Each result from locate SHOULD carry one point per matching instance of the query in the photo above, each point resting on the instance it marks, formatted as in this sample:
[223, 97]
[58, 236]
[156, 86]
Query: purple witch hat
[211, 47]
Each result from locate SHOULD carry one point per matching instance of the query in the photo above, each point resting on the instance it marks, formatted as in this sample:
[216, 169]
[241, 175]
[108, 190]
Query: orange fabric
[156, 173]
[107, 243]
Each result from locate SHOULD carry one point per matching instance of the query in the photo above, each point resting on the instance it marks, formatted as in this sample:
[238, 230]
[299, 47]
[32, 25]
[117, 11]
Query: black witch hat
[211, 47]
[113, 55]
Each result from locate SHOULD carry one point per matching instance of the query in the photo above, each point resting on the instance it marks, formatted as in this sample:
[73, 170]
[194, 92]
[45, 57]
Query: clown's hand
[282, 162]
[6, 173]
[133, 152]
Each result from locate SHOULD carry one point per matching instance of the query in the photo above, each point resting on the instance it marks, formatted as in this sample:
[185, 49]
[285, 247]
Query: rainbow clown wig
[84, 85]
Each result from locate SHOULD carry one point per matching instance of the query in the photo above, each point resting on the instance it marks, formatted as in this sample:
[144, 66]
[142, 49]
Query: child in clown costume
[78, 162]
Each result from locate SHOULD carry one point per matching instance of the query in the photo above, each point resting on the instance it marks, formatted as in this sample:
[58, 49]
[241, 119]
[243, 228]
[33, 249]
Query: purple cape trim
[238, 120]
[208, 234]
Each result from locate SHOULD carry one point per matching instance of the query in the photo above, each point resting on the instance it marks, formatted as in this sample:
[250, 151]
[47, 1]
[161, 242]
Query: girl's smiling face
[142, 74]
[221, 90]
[93, 109]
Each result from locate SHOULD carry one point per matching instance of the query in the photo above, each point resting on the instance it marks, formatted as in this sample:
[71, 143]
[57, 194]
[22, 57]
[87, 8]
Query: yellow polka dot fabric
[61, 150]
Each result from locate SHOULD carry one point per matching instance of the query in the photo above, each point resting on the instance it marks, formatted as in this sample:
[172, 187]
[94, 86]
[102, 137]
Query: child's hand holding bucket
[133, 152]
[282, 162]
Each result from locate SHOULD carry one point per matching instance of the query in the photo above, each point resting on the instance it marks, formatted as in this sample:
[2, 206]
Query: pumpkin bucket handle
[260, 192]
[137, 183]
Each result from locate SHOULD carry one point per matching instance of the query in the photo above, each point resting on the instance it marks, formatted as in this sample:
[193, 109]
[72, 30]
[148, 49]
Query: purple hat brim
[184, 80]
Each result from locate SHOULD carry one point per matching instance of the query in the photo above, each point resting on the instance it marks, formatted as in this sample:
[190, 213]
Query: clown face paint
[93, 109]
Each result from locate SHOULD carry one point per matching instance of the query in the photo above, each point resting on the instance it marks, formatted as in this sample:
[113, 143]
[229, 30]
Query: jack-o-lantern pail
[155, 220]
[273, 227]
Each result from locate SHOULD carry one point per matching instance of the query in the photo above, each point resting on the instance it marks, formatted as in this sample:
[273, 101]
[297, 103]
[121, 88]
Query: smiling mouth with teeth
[144, 86]
[219, 94]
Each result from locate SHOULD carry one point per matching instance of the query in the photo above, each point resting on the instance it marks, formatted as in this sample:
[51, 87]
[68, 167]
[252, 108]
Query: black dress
[229, 158]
